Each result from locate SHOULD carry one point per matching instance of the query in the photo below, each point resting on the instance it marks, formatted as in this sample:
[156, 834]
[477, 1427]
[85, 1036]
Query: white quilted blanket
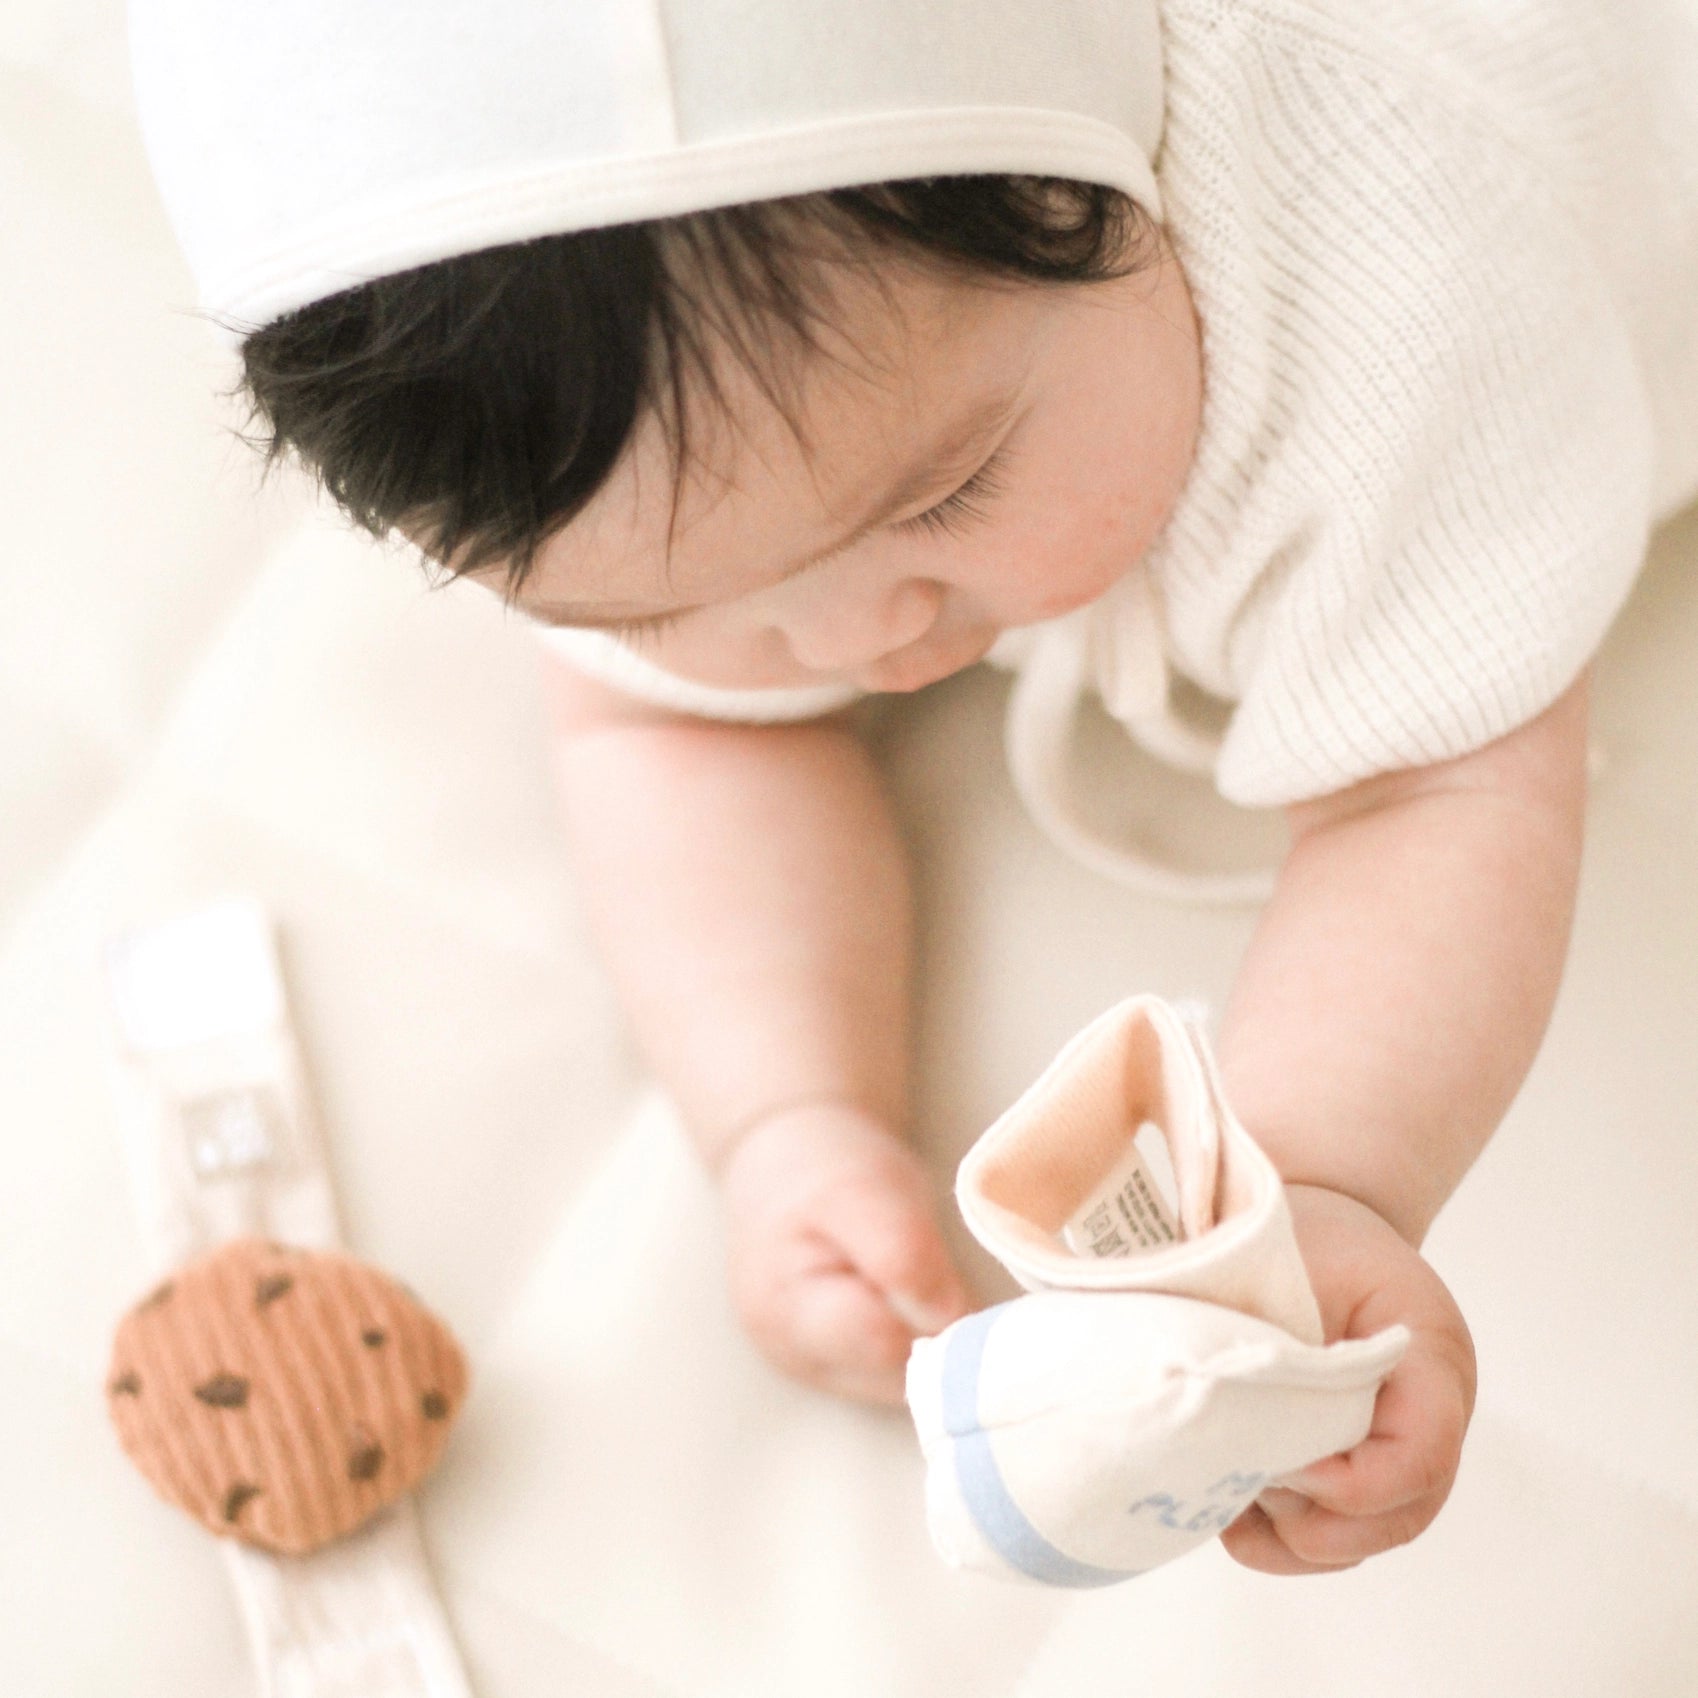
[202, 690]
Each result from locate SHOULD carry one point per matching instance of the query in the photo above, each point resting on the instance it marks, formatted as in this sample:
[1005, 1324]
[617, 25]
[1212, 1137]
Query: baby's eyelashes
[635, 632]
[965, 505]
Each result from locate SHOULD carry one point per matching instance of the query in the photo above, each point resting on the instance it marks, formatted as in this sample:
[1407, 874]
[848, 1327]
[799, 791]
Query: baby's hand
[1386, 1490]
[835, 1257]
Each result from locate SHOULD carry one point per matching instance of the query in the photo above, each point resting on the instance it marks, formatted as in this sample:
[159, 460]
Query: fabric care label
[1132, 1210]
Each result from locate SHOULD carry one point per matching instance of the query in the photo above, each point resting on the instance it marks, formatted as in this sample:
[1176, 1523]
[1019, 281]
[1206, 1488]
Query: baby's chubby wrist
[1309, 1198]
[774, 1139]
[1312, 1148]
[1346, 1143]
[1366, 1275]
[1380, 1194]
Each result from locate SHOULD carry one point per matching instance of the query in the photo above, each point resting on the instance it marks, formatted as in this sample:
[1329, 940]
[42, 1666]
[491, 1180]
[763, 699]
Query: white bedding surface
[204, 691]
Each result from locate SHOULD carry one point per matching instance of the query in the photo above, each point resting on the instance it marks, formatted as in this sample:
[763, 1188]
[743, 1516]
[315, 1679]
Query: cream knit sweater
[1445, 258]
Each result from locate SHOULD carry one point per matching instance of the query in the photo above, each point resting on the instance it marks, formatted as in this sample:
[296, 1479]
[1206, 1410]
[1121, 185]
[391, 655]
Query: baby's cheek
[1069, 569]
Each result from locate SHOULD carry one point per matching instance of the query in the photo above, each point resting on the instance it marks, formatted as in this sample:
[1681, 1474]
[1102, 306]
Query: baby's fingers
[891, 1237]
[834, 1331]
[1412, 1449]
[1285, 1533]
[1380, 1494]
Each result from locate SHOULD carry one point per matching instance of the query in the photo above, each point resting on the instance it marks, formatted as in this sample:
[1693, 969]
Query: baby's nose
[840, 634]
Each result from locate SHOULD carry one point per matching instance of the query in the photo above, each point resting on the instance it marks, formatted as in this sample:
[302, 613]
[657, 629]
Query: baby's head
[845, 436]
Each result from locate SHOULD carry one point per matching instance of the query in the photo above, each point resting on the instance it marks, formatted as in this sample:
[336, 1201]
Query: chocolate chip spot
[158, 1295]
[373, 1337]
[269, 1287]
[224, 1391]
[364, 1463]
[239, 1497]
[434, 1405]
[126, 1385]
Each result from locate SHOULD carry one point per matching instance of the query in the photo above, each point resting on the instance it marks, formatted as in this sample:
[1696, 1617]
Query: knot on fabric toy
[283, 1396]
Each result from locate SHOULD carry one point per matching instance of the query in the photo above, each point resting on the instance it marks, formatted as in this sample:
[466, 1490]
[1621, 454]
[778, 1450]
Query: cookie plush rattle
[284, 1393]
[283, 1396]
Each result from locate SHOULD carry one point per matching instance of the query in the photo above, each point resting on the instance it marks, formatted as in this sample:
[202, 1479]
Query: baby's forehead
[769, 469]
[885, 360]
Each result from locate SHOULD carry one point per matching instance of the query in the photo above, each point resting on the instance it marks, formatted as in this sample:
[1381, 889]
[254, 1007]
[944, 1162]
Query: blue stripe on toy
[983, 1489]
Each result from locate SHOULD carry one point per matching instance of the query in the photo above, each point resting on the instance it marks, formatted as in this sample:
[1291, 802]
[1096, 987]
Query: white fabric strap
[221, 1141]
[1044, 707]
[358, 1619]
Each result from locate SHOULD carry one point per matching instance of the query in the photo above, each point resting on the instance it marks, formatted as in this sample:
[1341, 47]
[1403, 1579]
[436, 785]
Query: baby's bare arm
[1391, 1003]
[1401, 979]
[748, 891]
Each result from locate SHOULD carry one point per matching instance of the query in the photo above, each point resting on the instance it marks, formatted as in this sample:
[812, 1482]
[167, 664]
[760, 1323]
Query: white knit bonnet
[305, 146]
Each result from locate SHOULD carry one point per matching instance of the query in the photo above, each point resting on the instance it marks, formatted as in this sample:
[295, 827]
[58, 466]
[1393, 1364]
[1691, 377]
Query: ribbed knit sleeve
[1422, 486]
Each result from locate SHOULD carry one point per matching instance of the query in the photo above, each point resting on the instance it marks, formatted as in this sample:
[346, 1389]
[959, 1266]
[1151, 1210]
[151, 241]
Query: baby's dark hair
[482, 400]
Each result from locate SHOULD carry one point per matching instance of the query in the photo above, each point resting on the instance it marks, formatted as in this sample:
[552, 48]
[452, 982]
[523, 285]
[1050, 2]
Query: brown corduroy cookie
[283, 1396]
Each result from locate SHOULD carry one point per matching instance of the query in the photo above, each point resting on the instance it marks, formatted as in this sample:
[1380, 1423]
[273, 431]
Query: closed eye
[960, 510]
[966, 506]
[636, 631]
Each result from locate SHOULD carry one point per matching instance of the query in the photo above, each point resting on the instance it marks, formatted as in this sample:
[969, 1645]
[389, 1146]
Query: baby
[1334, 360]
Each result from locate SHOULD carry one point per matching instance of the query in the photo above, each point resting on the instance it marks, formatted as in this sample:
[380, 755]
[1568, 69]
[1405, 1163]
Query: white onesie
[1445, 258]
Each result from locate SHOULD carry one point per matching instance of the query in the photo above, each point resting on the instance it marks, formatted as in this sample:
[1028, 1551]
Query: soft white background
[203, 689]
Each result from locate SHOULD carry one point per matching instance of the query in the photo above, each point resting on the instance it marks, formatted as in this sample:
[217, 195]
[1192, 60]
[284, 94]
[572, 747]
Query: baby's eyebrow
[954, 445]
